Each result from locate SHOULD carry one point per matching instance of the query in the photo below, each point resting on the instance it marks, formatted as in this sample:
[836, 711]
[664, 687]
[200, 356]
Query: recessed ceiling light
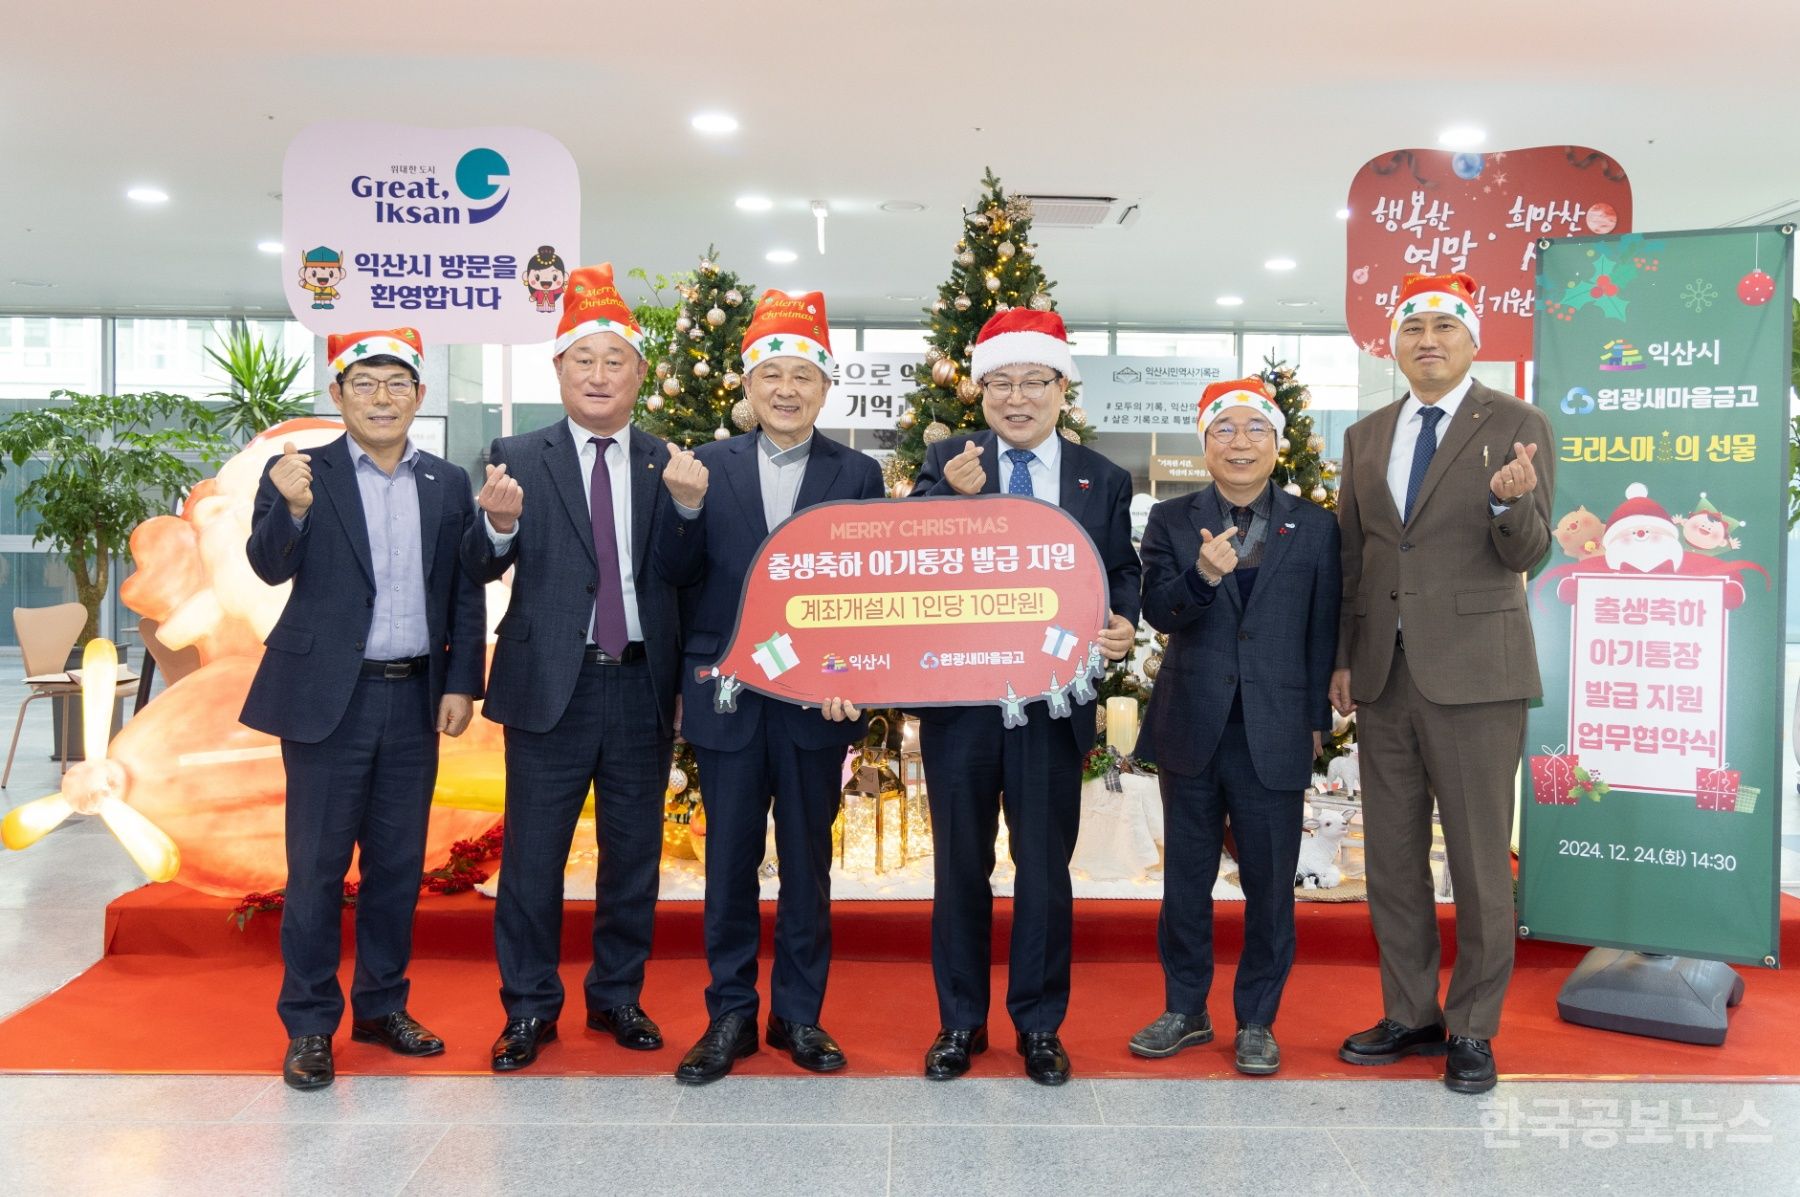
[755, 203]
[902, 206]
[1462, 137]
[1230, 301]
[715, 122]
[781, 256]
[32, 282]
[1295, 303]
[1279, 264]
[1343, 214]
[148, 195]
[269, 247]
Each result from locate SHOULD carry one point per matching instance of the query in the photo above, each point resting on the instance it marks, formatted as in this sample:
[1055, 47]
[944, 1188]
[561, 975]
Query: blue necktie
[1423, 450]
[1020, 482]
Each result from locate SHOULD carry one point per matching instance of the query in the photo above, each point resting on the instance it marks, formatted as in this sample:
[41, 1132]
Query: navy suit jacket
[1098, 494]
[710, 556]
[537, 657]
[1277, 649]
[314, 653]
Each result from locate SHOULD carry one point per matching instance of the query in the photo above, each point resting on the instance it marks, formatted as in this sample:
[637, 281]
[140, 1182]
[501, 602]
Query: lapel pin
[1082, 483]
[431, 477]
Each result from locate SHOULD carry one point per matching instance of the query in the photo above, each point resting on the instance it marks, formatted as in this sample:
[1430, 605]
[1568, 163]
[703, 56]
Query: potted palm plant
[261, 382]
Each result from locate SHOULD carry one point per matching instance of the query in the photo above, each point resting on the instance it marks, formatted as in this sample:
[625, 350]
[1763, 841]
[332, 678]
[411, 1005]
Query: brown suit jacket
[1453, 575]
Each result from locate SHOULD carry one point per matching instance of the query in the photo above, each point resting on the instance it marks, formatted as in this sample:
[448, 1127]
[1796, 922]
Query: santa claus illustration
[1642, 538]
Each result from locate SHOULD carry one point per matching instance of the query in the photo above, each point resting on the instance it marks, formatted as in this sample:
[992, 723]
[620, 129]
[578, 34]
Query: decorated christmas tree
[698, 394]
[1300, 468]
[995, 269]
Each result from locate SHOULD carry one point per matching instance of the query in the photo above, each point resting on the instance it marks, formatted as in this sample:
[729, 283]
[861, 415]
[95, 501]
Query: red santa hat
[346, 349]
[786, 325]
[1638, 511]
[1252, 393]
[592, 304]
[1023, 337]
[1450, 295]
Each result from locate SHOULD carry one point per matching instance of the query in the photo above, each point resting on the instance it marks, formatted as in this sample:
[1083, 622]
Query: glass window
[169, 355]
[1177, 344]
[40, 354]
[893, 340]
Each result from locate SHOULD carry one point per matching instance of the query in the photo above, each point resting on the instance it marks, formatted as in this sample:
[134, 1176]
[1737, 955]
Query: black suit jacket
[1098, 494]
[537, 658]
[314, 653]
[1277, 649]
[712, 554]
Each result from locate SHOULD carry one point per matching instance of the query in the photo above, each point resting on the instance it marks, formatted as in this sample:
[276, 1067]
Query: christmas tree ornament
[743, 415]
[962, 303]
[978, 220]
[678, 781]
[682, 324]
[1292, 488]
[1029, 251]
[694, 334]
[733, 297]
[1018, 209]
[965, 259]
[715, 316]
[935, 432]
[654, 402]
[1756, 288]
[968, 390]
[943, 372]
[671, 387]
[707, 266]
[1282, 445]
[1315, 444]
[1318, 494]
[731, 380]
[1003, 307]
[932, 355]
[1077, 416]
[721, 433]
[663, 368]
[938, 305]
[702, 368]
[993, 282]
[907, 419]
[1153, 666]
[901, 489]
[1070, 435]
[1006, 250]
[1041, 302]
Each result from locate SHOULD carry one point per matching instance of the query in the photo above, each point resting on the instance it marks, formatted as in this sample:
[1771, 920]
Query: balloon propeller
[97, 786]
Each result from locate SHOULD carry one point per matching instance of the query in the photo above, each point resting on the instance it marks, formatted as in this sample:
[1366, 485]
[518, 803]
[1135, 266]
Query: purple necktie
[609, 604]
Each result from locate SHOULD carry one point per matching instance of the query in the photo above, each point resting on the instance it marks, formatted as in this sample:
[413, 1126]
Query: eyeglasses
[1256, 430]
[399, 388]
[1031, 388]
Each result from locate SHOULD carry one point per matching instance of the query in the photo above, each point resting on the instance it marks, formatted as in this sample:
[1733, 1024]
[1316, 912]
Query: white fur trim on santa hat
[1022, 349]
[776, 345]
[588, 328]
[1442, 303]
[1256, 401]
[378, 346]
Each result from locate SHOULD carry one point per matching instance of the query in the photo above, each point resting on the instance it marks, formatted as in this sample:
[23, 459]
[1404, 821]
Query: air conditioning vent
[1081, 211]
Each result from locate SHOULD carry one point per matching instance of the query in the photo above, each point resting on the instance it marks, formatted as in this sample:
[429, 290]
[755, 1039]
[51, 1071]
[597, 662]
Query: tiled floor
[817, 1137]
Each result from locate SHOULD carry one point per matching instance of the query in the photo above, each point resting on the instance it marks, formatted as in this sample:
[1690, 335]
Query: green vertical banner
[1651, 799]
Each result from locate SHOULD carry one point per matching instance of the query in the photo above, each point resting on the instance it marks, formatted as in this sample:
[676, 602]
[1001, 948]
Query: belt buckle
[395, 671]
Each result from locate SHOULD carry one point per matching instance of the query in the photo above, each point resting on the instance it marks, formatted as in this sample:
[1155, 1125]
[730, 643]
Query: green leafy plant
[657, 318]
[261, 379]
[110, 463]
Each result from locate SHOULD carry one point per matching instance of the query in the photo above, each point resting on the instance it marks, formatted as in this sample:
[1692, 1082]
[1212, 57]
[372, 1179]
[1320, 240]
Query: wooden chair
[46, 637]
[174, 664]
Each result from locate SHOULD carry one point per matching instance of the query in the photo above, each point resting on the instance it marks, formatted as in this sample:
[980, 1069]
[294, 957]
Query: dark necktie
[1424, 449]
[1242, 517]
[609, 603]
[1020, 482]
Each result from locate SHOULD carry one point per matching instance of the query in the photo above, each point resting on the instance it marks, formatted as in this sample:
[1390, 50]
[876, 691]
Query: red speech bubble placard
[961, 601]
[1438, 212]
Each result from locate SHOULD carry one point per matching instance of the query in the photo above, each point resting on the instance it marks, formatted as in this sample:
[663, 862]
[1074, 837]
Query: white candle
[1122, 723]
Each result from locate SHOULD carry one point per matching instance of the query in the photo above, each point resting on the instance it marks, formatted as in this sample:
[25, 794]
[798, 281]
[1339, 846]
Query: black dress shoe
[308, 1064]
[1388, 1041]
[629, 1025]
[948, 1056]
[728, 1039]
[520, 1042]
[399, 1032]
[808, 1043]
[1470, 1068]
[1170, 1033]
[1045, 1060]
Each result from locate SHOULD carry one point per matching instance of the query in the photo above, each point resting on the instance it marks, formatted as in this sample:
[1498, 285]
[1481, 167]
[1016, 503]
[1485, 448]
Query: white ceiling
[1238, 129]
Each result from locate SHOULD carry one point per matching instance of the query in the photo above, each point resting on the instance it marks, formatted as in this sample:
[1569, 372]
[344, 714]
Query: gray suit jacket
[1453, 574]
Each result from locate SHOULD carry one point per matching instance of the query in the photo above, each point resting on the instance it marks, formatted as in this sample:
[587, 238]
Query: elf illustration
[321, 270]
[1708, 530]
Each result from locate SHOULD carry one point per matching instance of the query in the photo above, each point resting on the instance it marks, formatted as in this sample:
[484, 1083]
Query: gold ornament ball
[935, 432]
[1315, 444]
[733, 297]
[743, 415]
[678, 781]
[682, 324]
[1292, 488]
[706, 266]
[1003, 307]
[1303, 403]
[721, 433]
[654, 403]
[1318, 494]
[965, 259]
[962, 303]
[1070, 435]
[1006, 249]
[938, 305]
[1283, 445]
[932, 355]
[671, 387]
[901, 489]
[702, 368]
[993, 282]
[1077, 417]
[907, 419]
[978, 220]
[968, 390]
[1152, 665]
[662, 368]
[694, 334]
[731, 380]
[715, 316]
[1029, 251]
[943, 372]
[1041, 302]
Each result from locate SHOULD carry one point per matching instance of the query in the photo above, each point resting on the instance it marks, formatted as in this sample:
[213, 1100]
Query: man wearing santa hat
[1444, 505]
[378, 650]
[583, 676]
[730, 494]
[975, 766]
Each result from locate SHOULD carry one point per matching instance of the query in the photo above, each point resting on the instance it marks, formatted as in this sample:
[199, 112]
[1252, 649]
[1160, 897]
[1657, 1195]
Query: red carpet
[180, 990]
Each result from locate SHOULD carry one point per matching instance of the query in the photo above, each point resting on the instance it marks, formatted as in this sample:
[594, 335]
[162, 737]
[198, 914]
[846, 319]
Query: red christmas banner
[969, 600]
[1437, 212]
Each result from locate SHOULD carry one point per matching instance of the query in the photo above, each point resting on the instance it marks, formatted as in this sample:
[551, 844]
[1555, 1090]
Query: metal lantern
[874, 809]
[915, 824]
